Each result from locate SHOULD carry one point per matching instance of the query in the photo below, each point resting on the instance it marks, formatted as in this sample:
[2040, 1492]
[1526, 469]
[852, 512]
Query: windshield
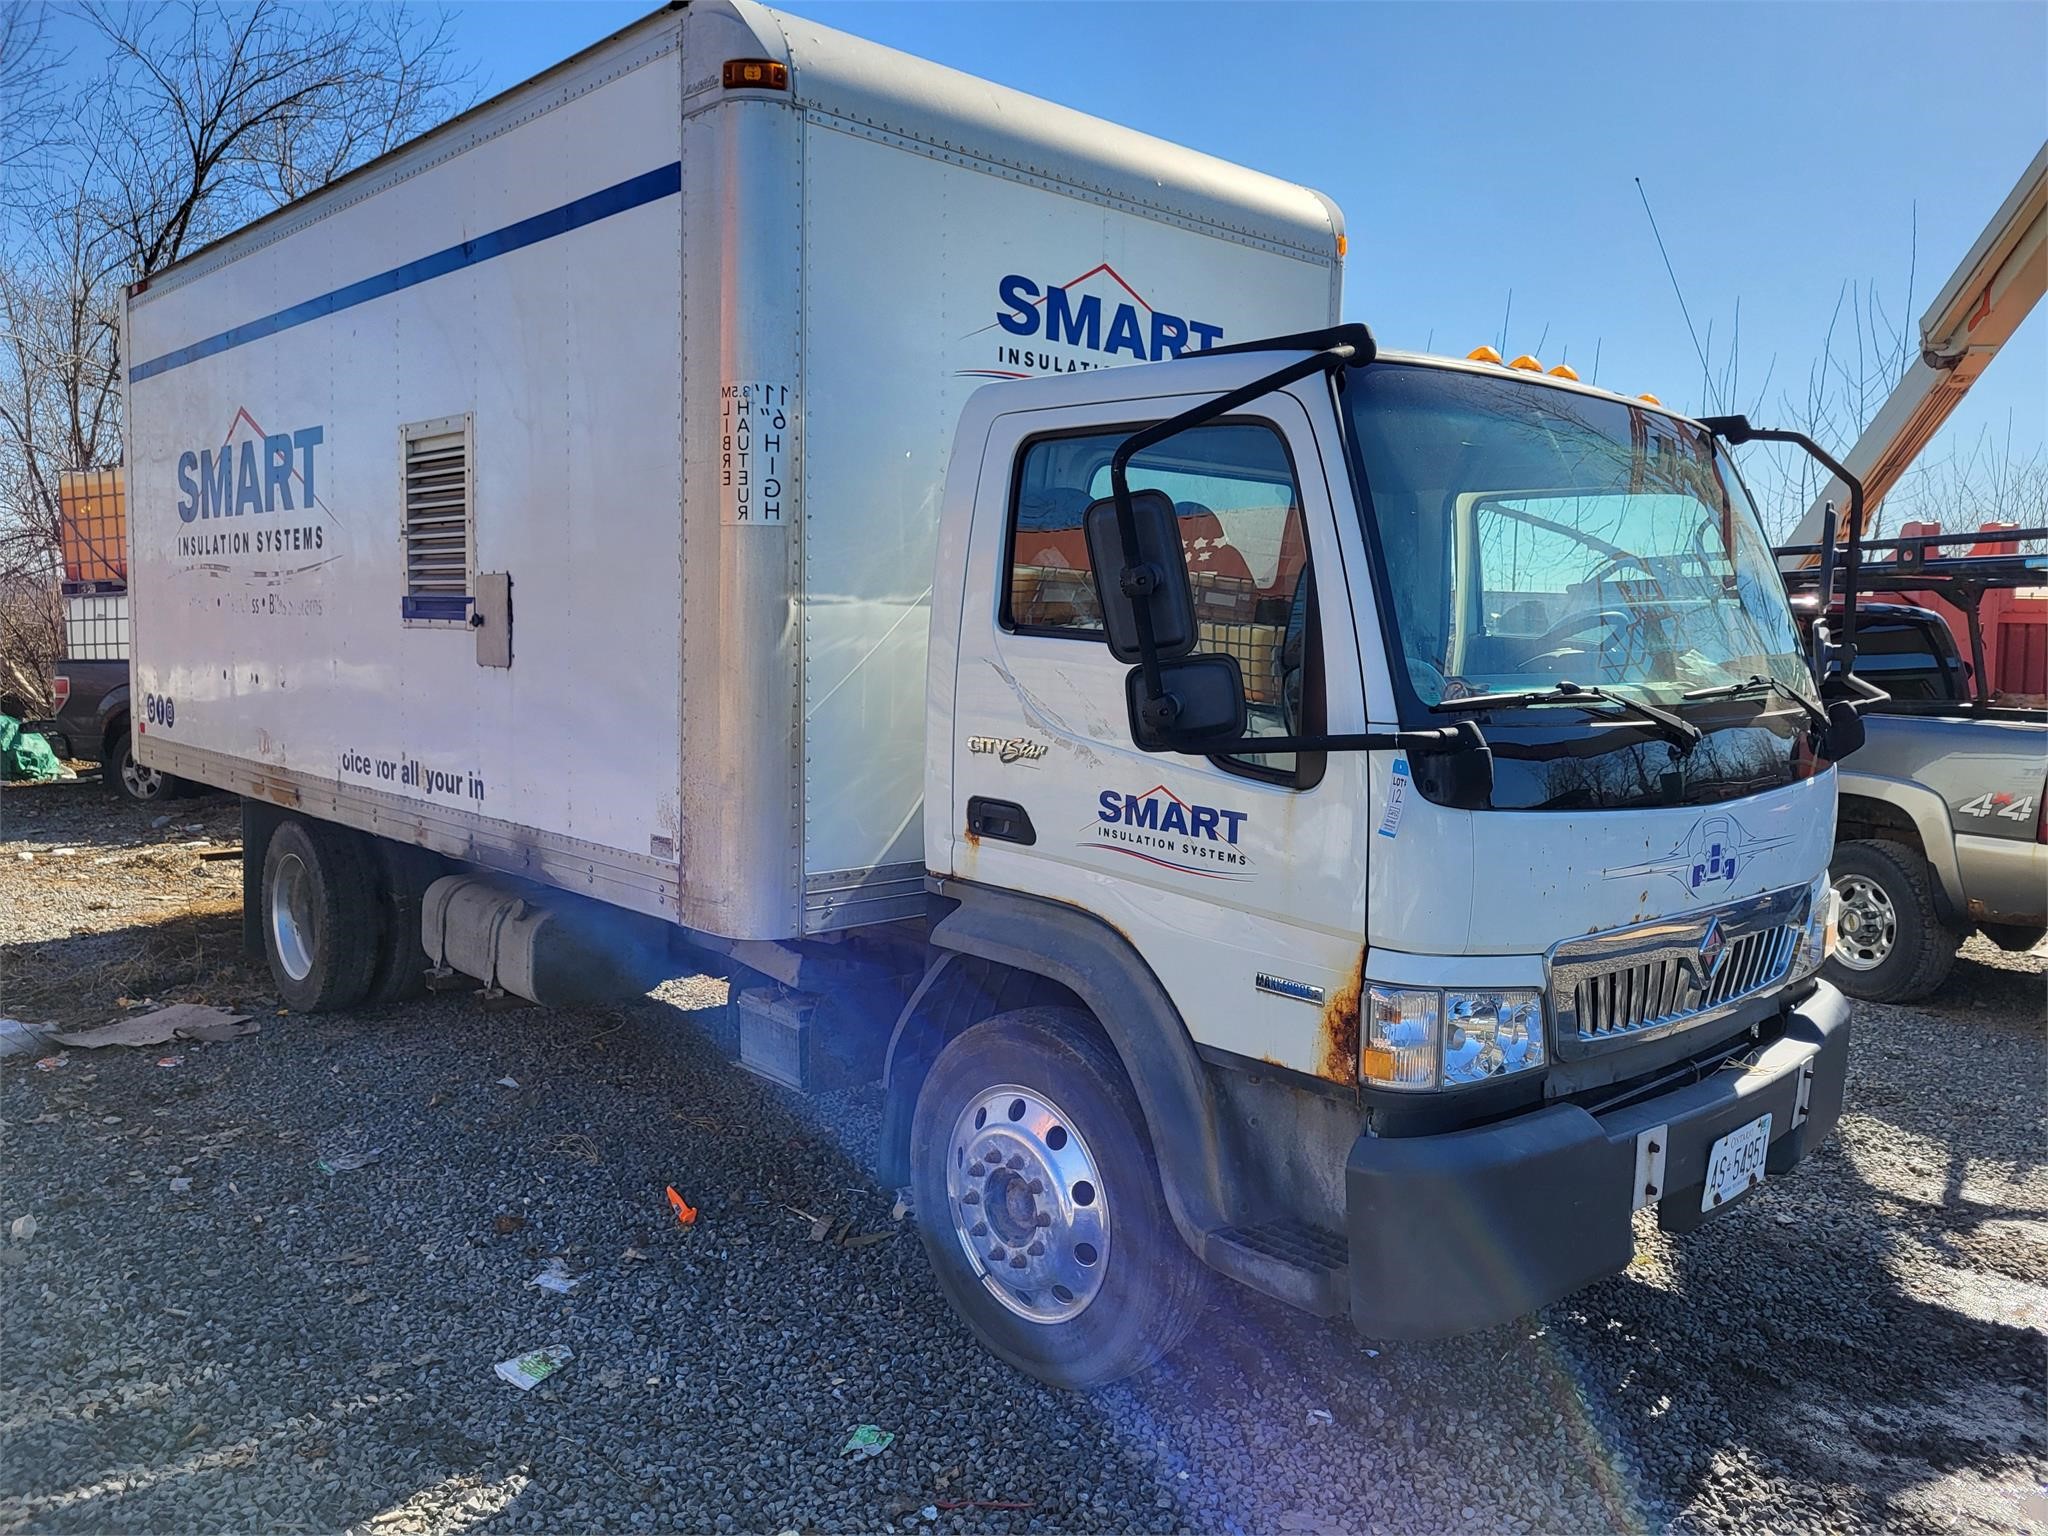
[1533, 535]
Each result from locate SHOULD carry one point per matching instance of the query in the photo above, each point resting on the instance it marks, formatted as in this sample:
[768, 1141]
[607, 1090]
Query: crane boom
[1992, 291]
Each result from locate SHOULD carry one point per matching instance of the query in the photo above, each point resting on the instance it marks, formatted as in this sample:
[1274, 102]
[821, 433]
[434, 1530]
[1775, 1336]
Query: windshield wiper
[1676, 729]
[1760, 684]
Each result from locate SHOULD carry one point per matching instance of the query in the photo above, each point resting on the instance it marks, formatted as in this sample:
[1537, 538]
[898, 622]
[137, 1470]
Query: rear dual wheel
[341, 917]
[1039, 1202]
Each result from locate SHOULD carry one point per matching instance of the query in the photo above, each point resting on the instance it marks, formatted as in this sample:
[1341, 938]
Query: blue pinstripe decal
[650, 187]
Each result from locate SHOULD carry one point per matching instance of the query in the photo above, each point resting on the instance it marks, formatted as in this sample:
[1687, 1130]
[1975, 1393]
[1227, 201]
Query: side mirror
[1156, 582]
[1461, 779]
[1845, 731]
[1200, 704]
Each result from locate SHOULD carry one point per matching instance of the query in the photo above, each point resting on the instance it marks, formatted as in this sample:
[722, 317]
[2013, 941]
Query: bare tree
[202, 117]
[1989, 480]
[215, 114]
[29, 99]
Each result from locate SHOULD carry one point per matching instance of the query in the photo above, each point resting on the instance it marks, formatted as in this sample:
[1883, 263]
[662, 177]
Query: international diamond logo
[1713, 948]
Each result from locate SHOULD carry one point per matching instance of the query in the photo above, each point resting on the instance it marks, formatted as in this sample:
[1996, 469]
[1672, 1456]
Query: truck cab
[1492, 917]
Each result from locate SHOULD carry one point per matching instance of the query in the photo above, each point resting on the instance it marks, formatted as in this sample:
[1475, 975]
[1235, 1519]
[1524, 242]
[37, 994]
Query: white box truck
[1355, 823]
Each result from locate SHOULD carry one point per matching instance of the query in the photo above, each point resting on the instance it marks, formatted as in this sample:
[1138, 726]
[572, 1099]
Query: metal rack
[1914, 564]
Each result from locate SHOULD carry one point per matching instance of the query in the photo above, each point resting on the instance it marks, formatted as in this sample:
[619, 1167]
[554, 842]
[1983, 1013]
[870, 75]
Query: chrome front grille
[1668, 991]
[1673, 973]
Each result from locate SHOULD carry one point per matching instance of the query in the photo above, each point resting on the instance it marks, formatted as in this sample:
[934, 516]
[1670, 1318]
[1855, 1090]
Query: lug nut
[998, 1253]
[1016, 1162]
[980, 1229]
[1036, 1250]
[1036, 1186]
[971, 1197]
[1041, 1219]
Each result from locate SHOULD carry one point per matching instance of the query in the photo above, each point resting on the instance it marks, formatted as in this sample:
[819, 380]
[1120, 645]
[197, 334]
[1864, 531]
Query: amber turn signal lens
[756, 74]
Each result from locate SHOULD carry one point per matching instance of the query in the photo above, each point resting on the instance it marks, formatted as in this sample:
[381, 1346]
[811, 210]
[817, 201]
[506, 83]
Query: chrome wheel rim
[1869, 924]
[1027, 1204]
[141, 780]
[291, 916]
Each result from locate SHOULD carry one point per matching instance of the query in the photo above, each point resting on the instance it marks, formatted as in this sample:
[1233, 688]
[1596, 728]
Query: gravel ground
[1857, 1346]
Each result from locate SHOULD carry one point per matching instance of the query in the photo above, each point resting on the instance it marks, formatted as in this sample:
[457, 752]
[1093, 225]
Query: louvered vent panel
[437, 522]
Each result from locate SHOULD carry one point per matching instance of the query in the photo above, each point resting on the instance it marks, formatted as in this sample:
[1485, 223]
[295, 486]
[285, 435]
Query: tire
[321, 923]
[403, 875]
[1894, 946]
[133, 781]
[1111, 1286]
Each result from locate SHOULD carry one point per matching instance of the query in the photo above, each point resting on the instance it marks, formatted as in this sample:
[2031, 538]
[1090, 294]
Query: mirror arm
[1736, 430]
[1138, 576]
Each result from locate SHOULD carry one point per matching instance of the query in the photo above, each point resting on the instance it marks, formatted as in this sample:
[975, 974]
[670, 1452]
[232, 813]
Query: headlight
[1400, 1049]
[1817, 938]
[1421, 1039]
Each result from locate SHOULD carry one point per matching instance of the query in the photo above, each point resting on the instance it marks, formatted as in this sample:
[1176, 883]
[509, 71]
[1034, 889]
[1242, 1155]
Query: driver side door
[1240, 880]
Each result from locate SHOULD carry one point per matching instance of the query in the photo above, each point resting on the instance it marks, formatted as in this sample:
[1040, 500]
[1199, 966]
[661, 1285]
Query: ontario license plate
[1736, 1163]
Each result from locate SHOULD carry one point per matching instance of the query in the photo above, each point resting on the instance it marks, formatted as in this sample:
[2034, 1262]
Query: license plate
[1736, 1163]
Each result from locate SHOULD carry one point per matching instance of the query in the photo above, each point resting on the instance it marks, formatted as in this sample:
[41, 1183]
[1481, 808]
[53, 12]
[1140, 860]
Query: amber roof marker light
[756, 75]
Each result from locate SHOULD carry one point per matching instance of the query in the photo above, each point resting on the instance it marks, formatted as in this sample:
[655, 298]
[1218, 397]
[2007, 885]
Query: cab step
[1287, 1259]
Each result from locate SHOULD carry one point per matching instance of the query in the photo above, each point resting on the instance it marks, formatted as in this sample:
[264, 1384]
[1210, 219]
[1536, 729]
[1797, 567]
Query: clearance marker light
[1343, 245]
[1527, 364]
[1482, 355]
[756, 74]
[1649, 399]
[1565, 371]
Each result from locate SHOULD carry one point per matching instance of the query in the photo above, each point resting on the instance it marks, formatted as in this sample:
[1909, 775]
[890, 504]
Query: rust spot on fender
[1337, 1034]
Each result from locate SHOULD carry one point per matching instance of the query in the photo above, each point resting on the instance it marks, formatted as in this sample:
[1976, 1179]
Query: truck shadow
[1819, 1356]
[193, 956]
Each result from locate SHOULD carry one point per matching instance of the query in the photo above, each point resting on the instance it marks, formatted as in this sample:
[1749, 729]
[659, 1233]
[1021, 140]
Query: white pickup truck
[1357, 823]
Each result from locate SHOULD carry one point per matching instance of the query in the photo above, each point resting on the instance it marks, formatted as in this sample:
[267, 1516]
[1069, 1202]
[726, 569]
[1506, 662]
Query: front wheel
[1039, 1202]
[132, 780]
[1892, 944]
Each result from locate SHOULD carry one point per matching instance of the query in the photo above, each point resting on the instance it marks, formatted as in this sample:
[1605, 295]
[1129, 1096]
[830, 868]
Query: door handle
[1004, 820]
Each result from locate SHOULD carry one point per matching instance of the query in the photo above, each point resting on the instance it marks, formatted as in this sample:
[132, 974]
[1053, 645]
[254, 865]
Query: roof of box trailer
[881, 92]
[866, 87]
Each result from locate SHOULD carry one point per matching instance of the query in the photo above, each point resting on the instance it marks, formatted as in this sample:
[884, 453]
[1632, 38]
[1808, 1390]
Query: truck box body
[645, 386]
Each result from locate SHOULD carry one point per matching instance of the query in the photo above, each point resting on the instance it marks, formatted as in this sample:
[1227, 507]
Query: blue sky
[1478, 149]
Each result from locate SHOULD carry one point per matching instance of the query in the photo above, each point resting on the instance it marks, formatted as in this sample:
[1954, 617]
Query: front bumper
[1456, 1232]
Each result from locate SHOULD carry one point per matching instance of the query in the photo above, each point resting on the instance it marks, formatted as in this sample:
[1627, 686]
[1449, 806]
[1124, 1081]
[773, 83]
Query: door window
[1234, 488]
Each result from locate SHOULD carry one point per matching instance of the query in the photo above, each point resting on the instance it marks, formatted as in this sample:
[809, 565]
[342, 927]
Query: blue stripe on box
[634, 192]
